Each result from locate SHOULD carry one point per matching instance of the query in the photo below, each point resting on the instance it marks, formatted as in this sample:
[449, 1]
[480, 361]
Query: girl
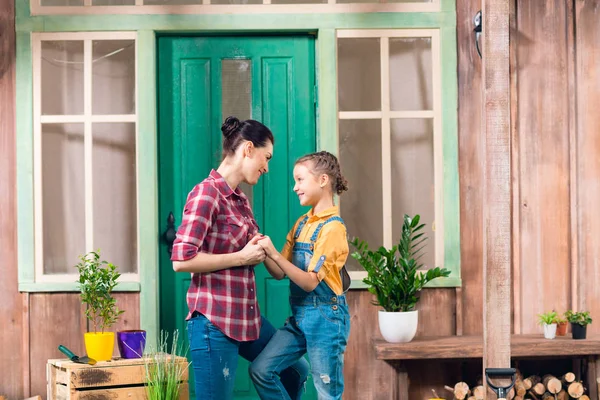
[313, 258]
[217, 244]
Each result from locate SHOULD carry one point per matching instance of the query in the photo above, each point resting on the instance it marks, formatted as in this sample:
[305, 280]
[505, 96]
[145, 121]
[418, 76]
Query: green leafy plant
[549, 318]
[97, 279]
[164, 369]
[393, 275]
[580, 318]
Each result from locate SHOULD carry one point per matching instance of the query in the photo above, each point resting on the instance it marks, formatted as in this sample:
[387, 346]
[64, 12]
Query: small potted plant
[579, 322]
[548, 321]
[394, 278]
[561, 326]
[97, 279]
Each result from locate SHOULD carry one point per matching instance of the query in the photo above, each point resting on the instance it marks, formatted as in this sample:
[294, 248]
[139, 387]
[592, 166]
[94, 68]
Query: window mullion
[37, 157]
[88, 146]
[386, 157]
[438, 147]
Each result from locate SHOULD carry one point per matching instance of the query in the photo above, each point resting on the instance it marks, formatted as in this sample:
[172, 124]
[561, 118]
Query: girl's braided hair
[324, 162]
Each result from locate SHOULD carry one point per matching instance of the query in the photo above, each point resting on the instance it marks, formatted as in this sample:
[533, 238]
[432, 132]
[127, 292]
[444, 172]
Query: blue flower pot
[131, 343]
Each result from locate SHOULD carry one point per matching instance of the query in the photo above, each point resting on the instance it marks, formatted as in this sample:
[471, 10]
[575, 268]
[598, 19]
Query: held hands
[266, 243]
[253, 253]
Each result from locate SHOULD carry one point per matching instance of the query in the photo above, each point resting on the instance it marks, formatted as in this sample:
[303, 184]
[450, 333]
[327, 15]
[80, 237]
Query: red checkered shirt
[219, 220]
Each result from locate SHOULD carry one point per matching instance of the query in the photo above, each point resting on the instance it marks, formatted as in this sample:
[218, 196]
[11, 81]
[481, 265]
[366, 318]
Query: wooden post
[497, 192]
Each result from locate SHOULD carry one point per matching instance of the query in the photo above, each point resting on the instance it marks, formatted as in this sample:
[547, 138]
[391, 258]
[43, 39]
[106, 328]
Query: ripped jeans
[320, 328]
[215, 358]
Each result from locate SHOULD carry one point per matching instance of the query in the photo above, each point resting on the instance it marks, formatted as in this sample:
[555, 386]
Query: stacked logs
[533, 387]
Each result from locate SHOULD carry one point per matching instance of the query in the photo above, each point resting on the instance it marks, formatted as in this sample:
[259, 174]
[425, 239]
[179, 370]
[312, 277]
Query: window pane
[411, 74]
[413, 184]
[62, 77]
[113, 2]
[360, 159]
[298, 1]
[171, 2]
[113, 77]
[63, 196]
[236, 2]
[359, 75]
[114, 188]
[58, 3]
[236, 97]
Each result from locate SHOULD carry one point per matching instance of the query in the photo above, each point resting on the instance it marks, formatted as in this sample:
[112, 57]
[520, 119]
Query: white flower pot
[398, 327]
[550, 331]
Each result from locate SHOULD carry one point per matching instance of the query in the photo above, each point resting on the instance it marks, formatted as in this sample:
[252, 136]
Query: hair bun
[230, 126]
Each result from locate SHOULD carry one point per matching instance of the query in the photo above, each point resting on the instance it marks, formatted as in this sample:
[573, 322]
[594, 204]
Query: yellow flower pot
[99, 346]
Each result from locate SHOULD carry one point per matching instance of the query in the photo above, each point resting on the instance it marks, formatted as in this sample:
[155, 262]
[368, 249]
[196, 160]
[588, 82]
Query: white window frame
[206, 8]
[386, 115]
[87, 119]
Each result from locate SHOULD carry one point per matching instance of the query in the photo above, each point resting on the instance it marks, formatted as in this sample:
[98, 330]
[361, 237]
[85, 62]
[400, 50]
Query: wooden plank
[496, 183]
[436, 312]
[470, 166]
[54, 319]
[15, 380]
[365, 376]
[543, 152]
[588, 147]
[472, 347]
[133, 393]
[514, 172]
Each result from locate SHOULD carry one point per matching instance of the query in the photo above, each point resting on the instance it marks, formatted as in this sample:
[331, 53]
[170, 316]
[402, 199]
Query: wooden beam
[497, 190]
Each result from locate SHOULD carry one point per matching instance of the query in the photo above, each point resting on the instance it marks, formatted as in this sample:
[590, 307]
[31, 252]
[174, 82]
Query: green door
[202, 80]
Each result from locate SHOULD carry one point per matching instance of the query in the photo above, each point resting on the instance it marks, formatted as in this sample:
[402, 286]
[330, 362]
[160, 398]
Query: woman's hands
[253, 253]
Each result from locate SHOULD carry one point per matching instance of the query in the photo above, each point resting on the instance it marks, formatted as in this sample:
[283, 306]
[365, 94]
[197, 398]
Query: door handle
[169, 234]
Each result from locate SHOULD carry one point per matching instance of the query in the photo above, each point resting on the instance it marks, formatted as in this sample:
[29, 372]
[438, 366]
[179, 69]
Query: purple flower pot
[131, 343]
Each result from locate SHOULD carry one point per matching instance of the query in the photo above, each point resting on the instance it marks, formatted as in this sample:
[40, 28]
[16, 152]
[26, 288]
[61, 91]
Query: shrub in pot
[395, 276]
[548, 321]
[561, 326]
[97, 279]
[579, 322]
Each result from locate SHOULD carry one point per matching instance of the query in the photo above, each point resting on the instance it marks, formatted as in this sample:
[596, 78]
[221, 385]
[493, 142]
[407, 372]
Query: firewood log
[539, 389]
[531, 381]
[479, 393]
[461, 390]
[569, 377]
[562, 395]
[548, 396]
[575, 390]
[533, 395]
[520, 388]
[552, 384]
[584, 397]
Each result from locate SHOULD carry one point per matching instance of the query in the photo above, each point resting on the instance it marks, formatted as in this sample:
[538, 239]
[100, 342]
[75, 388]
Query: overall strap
[300, 226]
[315, 234]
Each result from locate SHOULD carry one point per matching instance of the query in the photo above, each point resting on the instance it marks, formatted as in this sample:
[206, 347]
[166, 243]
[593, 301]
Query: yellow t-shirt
[332, 243]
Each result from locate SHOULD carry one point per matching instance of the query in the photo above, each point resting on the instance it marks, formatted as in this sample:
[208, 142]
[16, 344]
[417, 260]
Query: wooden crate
[115, 380]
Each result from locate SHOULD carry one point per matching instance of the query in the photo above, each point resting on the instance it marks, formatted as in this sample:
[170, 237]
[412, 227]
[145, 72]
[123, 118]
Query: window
[85, 152]
[390, 136]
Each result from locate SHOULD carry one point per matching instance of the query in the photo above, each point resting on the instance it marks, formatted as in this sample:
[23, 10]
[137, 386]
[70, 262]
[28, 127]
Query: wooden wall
[556, 219]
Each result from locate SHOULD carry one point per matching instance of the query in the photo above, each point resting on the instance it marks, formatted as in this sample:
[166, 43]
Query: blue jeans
[321, 330]
[215, 358]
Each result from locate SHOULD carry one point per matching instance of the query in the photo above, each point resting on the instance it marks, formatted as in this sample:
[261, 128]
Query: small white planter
[398, 327]
[550, 331]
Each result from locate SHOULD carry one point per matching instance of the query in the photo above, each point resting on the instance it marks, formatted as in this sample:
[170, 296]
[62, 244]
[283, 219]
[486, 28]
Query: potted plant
[561, 326]
[579, 322]
[165, 370]
[548, 321]
[97, 279]
[394, 278]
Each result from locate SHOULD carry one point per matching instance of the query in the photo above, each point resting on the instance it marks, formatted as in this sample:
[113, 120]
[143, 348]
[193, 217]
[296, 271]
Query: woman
[217, 244]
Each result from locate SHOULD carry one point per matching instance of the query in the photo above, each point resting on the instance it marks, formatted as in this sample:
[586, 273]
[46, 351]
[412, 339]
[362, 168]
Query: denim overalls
[319, 326]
